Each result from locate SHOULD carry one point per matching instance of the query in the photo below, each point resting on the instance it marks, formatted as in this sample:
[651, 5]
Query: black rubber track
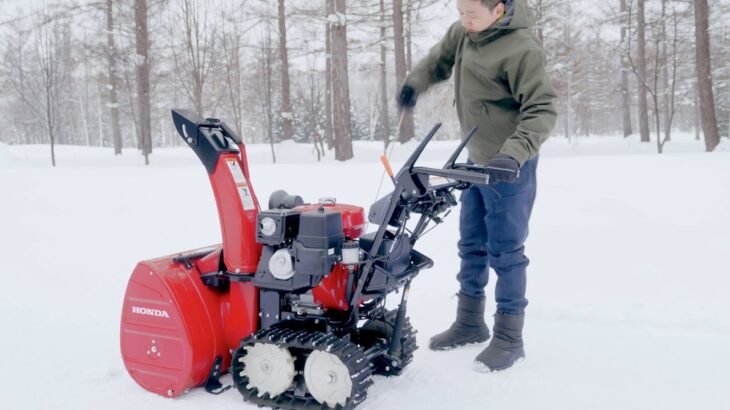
[350, 353]
[380, 330]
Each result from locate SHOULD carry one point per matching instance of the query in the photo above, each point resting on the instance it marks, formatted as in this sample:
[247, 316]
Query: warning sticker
[236, 171]
[243, 191]
[246, 198]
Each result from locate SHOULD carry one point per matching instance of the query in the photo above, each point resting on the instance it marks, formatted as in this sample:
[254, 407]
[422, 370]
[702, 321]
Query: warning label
[243, 191]
[236, 171]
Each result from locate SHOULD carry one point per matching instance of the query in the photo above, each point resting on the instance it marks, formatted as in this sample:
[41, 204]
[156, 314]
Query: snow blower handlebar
[413, 192]
[458, 174]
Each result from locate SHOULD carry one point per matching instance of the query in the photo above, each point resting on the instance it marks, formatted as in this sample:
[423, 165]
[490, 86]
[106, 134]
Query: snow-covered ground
[628, 283]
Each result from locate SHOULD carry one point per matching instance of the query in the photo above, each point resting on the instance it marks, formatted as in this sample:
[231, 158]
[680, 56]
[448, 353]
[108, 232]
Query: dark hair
[491, 4]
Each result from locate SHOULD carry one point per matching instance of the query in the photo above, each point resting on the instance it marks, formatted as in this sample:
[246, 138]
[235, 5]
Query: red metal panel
[171, 329]
[331, 292]
[237, 210]
[240, 312]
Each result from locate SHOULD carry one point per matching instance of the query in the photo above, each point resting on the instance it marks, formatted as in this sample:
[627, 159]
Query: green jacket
[501, 85]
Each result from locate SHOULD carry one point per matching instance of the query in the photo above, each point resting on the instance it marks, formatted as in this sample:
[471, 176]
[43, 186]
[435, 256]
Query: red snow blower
[292, 303]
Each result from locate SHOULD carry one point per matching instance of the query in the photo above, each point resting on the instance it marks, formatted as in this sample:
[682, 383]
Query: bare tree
[664, 61]
[340, 83]
[112, 78]
[40, 76]
[328, 130]
[663, 96]
[704, 75]
[264, 82]
[142, 43]
[625, 97]
[50, 77]
[641, 73]
[231, 49]
[286, 111]
[192, 57]
[406, 132]
[384, 117]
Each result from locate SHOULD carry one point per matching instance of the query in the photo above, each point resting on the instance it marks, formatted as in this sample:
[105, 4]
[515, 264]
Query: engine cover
[353, 217]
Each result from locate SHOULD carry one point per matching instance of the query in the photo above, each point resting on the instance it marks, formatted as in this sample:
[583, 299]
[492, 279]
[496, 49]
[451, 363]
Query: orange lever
[388, 169]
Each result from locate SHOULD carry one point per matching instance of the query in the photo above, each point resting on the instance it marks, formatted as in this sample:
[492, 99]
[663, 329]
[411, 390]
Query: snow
[6, 158]
[628, 281]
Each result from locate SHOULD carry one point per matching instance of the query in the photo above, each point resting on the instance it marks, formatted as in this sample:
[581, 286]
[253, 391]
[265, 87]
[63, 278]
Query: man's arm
[530, 86]
[438, 64]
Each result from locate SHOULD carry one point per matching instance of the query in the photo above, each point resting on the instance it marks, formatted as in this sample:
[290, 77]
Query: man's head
[479, 15]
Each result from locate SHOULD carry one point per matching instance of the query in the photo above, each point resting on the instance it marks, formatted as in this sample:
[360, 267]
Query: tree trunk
[50, 119]
[697, 113]
[112, 81]
[625, 97]
[84, 104]
[329, 138]
[286, 109]
[643, 103]
[406, 131]
[143, 77]
[340, 85]
[704, 75]
[384, 117]
[232, 53]
[666, 91]
[409, 35]
[268, 100]
[569, 90]
[100, 113]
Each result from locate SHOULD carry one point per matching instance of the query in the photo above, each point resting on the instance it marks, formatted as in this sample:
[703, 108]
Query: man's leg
[509, 208]
[474, 272]
[469, 326]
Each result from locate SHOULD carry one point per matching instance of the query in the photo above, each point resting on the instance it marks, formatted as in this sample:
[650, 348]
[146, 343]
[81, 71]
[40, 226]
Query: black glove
[503, 168]
[407, 97]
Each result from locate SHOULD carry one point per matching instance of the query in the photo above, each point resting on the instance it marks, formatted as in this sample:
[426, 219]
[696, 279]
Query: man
[501, 86]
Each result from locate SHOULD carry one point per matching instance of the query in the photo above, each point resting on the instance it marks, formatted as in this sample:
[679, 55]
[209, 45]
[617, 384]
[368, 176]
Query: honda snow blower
[292, 303]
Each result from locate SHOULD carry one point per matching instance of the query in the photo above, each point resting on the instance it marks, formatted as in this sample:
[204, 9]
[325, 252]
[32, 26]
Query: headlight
[268, 226]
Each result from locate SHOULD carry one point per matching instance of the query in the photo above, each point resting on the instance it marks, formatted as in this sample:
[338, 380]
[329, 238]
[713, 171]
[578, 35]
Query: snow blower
[292, 303]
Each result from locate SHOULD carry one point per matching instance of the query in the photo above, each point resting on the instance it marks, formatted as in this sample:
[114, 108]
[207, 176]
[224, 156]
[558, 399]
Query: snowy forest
[106, 72]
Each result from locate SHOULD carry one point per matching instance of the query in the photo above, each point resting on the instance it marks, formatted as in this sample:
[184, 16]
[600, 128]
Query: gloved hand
[503, 168]
[407, 97]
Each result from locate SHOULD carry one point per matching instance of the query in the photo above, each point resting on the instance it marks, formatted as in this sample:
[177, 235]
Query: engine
[308, 259]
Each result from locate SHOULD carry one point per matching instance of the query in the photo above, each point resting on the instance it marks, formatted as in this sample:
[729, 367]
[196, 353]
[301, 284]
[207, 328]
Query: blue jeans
[493, 227]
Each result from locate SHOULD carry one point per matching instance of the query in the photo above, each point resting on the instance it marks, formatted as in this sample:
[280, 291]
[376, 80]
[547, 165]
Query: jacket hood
[517, 16]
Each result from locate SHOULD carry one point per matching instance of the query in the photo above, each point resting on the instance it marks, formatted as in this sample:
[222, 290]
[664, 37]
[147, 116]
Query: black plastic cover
[320, 229]
[313, 261]
[287, 226]
[264, 279]
[379, 210]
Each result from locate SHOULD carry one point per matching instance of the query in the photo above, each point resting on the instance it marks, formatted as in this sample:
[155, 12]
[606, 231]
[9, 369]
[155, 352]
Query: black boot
[469, 326]
[506, 347]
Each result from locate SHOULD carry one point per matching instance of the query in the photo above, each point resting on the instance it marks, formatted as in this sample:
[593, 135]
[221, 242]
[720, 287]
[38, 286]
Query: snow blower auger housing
[292, 302]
